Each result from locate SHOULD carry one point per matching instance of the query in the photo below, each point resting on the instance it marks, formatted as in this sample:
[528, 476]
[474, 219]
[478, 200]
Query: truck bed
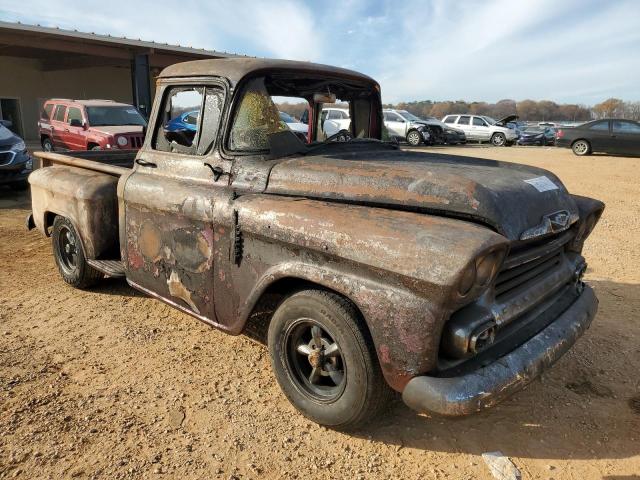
[113, 162]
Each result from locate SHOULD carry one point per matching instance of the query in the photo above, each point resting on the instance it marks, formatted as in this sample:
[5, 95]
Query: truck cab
[365, 269]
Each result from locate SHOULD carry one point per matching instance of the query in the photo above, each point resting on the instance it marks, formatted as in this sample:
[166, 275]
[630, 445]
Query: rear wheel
[95, 147]
[69, 255]
[324, 360]
[581, 147]
[47, 144]
[413, 138]
[498, 139]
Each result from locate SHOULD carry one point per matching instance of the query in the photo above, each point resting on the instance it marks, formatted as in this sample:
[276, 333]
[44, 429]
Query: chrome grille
[528, 264]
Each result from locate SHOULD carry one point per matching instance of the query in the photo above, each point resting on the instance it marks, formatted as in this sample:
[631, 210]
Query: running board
[113, 268]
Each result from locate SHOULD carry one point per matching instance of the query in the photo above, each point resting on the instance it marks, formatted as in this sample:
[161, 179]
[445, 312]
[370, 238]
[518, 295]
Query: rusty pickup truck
[366, 269]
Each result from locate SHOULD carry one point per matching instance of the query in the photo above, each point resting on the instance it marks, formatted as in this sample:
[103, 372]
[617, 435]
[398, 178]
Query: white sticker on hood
[542, 184]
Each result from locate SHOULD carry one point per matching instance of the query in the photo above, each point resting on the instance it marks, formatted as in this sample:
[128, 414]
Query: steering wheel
[343, 135]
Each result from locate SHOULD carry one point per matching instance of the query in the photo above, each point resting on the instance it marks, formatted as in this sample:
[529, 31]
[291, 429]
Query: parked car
[365, 268]
[15, 161]
[90, 125]
[293, 124]
[537, 136]
[414, 130]
[333, 120]
[484, 129]
[617, 136]
[183, 126]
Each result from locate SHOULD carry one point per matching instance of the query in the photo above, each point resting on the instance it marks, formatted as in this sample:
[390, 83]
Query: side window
[478, 122]
[464, 120]
[74, 114]
[394, 117]
[59, 114]
[625, 127]
[46, 111]
[189, 119]
[600, 126]
[450, 119]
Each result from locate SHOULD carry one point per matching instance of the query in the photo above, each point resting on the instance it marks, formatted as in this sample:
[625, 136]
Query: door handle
[144, 163]
[217, 171]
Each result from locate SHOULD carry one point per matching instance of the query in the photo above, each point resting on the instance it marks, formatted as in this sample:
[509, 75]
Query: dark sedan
[15, 162]
[608, 136]
[537, 136]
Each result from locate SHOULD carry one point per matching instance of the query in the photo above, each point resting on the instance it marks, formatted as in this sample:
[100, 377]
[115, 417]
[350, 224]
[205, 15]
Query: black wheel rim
[68, 249]
[314, 360]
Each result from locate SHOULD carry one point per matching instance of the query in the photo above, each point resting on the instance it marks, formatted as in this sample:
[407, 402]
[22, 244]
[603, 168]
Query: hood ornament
[552, 223]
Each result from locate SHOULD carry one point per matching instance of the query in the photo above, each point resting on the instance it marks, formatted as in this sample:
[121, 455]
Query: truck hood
[513, 199]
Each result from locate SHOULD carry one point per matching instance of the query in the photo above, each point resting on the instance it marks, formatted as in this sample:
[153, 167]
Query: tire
[413, 138]
[69, 255]
[498, 139]
[47, 145]
[581, 148]
[96, 147]
[343, 391]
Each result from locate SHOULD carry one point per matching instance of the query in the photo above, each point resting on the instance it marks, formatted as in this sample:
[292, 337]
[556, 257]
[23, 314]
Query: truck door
[625, 137]
[395, 124]
[73, 135]
[172, 198]
[464, 124]
[58, 125]
[600, 136]
[480, 128]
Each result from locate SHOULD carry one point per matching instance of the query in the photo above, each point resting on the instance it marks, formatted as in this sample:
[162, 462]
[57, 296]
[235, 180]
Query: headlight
[122, 141]
[481, 272]
[29, 164]
[18, 147]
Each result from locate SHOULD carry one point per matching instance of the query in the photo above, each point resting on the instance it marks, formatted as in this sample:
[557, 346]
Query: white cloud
[569, 50]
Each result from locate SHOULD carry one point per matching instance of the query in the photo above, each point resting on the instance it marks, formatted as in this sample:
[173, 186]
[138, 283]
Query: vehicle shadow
[585, 407]
[116, 286]
[14, 199]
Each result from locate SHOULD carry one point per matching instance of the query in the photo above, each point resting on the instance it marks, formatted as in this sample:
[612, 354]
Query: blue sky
[580, 51]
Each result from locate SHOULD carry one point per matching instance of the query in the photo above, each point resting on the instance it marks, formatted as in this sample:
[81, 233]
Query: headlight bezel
[483, 269]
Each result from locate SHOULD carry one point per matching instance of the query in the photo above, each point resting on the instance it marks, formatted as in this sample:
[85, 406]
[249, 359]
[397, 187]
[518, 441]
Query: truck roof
[235, 69]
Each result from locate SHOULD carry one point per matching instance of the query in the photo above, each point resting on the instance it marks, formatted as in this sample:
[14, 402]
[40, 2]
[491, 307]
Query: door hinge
[237, 240]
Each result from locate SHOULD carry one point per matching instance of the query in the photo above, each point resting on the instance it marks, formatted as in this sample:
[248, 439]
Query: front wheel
[69, 255]
[413, 138]
[498, 139]
[324, 360]
[581, 148]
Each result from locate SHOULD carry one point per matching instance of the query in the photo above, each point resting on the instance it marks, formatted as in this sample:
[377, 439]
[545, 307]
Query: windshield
[259, 121]
[5, 133]
[117, 115]
[409, 116]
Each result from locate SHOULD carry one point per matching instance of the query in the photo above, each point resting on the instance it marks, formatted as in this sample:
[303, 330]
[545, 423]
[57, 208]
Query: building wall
[22, 78]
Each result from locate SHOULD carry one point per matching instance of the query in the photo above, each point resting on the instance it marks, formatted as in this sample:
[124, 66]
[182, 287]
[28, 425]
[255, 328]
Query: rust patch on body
[178, 290]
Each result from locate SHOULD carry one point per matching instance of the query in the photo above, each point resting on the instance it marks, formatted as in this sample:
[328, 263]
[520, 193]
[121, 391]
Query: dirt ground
[110, 384]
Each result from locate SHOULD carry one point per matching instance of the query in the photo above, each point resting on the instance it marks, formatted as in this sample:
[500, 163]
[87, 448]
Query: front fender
[401, 269]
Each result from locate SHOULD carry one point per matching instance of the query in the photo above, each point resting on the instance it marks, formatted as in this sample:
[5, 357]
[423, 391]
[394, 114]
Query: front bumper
[487, 386]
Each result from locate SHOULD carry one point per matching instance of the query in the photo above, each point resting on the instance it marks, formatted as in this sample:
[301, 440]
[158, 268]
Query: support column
[141, 86]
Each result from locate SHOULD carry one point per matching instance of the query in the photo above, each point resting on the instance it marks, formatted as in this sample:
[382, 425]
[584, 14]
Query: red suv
[90, 125]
